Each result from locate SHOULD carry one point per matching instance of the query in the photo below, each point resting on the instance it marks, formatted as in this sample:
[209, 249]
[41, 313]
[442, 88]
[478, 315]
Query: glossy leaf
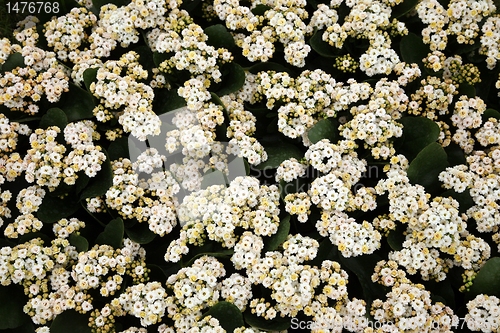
[77, 103]
[89, 76]
[278, 152]
[53, 208]
[425, 168]
[219, 37]
[321, 47]
[54, 117]
[215, 177]
[167, 100]
[233, 79]
[268, 66]
[260, 9]
[99, 184]
[323, 129]
[79, 242]
[276, 324]
[13, 61]
[396, 238]
[99, 3]
[418, 133]
[362, 267]
[491, 113]
[70, 319]
[464, 199]
[140, 233]
[403, 8]
[11, 307]
[118, 148]
[228, 314]
[112, 234]
[413, 49]
[273, 242]
[487, 281]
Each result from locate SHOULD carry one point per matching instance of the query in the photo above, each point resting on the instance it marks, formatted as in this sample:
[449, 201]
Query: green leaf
[321, 47]
[232, 80]
[112, 234]
[455, 154]
[77, 103]
[396, 237]
[228, 314]
[362, 267]
[54, 117]
[167, 100]
[215, 177]
[27, 327]
[260, 9]
[79, 323]
[280, 236]
[277, 152]
[276, 324]
[219, 37]
[487, 281]
[99, 184]
[89, 76]
[467, 90]
[418, 133]
[268, 66]
[118, 148]
[425, 168]
[403, 8]
[158, 58]
[413, 49]
[99, 3]
[140, 233]
[323, 129]
[11, 307]
[13, 61]
[491, 113]
[464, 199]
[190, 5]
[53, 208]
[79, 242]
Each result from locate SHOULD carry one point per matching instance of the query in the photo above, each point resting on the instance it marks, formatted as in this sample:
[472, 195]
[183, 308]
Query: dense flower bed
[247, 166]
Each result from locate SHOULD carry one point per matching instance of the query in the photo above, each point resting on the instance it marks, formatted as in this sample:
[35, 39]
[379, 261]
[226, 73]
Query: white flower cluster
[218, 211]
[489, 133]
[289, 170]
[104, 267]
[122, 91]
[195, 288]
[9, 134]
[490, 40]
[484, 313]
[46, 161]
[408, 307]
[237, 289]
[150, 199]
[375, 123]
[298, 204]
[23, 87]
[457, 178]
[467, 112]
[282, 22]
[65, 34]
[23, 224]
[144, 301]
[64, 227]
[29, 199]
[186, 42]
[352, 238]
